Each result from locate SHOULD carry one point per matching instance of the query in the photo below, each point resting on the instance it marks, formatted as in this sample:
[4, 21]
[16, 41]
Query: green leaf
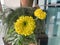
[10, 31]
[19, 42]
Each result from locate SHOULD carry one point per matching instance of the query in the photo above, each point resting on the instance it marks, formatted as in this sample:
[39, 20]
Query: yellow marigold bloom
[25, 25]
[39, 13]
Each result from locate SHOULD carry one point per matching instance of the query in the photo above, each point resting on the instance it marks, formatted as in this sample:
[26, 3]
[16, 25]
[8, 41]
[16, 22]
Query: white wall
[12, 3]
[41, 2]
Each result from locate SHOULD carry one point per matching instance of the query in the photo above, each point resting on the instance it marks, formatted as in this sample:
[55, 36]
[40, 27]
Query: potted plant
[22, 25]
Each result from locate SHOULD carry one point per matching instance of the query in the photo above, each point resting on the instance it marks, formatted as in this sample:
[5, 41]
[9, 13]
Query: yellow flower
[39, 13]
[25, 25]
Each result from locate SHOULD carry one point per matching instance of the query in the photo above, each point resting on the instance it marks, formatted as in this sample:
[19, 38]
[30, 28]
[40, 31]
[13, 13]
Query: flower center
[24, 23]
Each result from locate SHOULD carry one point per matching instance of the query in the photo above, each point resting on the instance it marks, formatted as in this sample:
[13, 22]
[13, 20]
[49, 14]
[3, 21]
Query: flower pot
[26, 3]
[32, 44]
